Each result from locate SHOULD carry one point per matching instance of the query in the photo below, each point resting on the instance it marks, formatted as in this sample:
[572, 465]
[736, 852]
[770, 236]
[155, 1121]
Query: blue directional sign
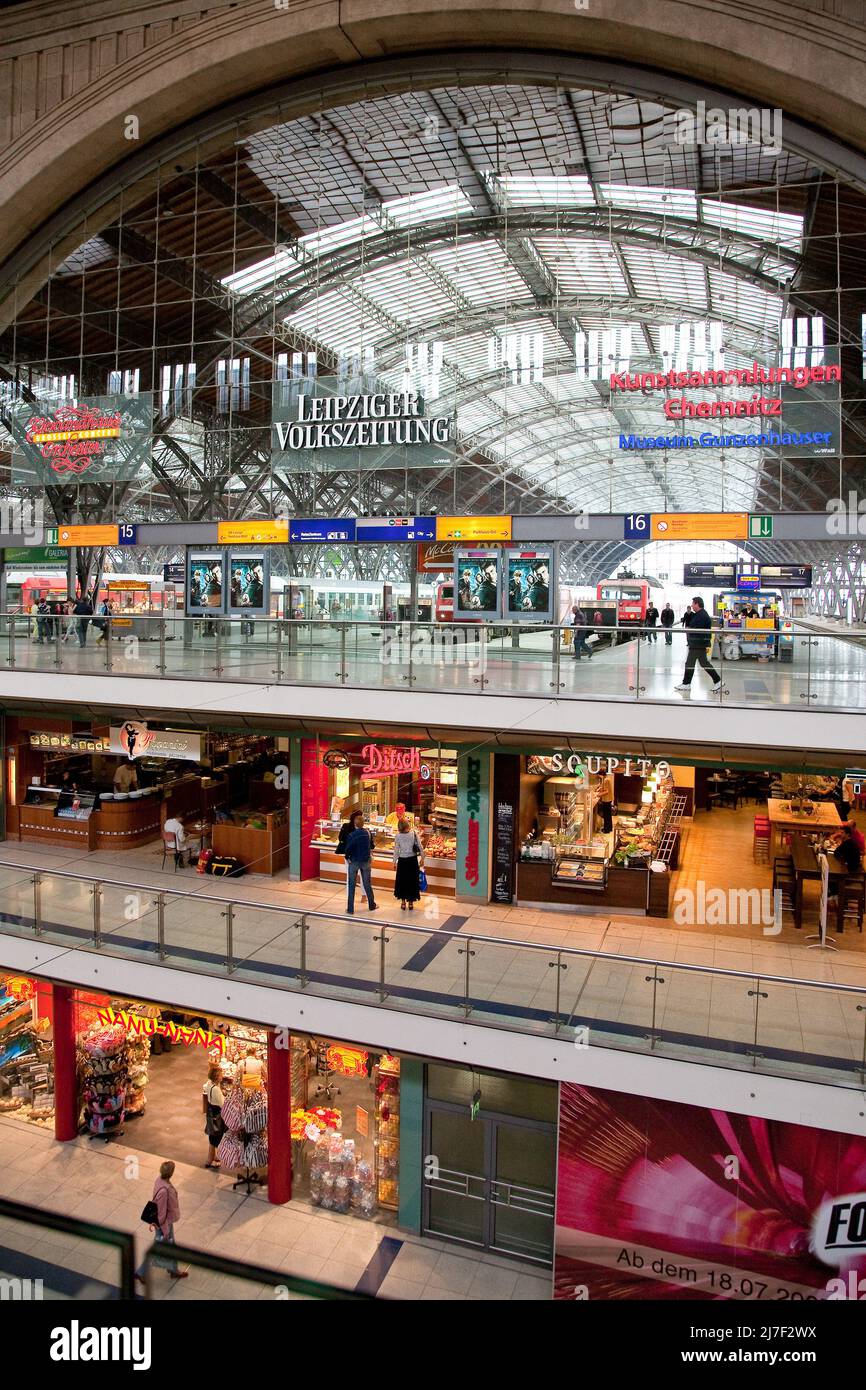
[319, 529]
[395, 528]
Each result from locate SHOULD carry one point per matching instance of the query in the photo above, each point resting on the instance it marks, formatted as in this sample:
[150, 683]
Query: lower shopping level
[396, 1175]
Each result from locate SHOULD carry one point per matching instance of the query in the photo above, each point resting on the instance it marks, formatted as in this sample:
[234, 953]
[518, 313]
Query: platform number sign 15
[127, 534]
[637, 526]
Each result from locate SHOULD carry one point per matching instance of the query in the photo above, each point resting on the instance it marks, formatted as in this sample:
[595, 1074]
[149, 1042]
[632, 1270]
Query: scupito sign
[388, 761]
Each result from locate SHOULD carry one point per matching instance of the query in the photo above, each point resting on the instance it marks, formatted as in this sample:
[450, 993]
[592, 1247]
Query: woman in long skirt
[407, 852]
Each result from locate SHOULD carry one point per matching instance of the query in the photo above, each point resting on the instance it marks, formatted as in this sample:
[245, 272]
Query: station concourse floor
[829, 672]
[717, 849]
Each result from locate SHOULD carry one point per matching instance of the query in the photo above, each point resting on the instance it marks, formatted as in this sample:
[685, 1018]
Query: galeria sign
[388, 761]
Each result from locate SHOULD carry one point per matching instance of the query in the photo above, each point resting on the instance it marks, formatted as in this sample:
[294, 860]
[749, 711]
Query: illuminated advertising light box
[87, 535]
[253, 532]
[249, 582]
[205, 582]
[529, 584]
[473, 528]
[370, 529]
[476, 584]
[699, 526]
[749, 583]
[94, 439]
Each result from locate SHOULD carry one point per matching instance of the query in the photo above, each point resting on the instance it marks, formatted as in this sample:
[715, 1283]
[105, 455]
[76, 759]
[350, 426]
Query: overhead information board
[370, 529]
[88, 535]
[473, 528]
[699, 526]
[253, 532]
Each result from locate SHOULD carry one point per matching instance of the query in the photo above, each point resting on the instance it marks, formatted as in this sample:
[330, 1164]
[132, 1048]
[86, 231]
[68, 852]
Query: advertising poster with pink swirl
[657, 1200]
[97, 439]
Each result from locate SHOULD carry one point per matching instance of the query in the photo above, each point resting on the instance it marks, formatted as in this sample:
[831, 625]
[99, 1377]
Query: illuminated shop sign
[135, 740]
[71, 743]
[143, 1027]
[756, 375]
[577, 764]
[389, 761]
[472, 861]
[105, 438]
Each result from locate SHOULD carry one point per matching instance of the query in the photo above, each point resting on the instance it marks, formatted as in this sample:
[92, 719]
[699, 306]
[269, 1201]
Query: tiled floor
[611, 994]
[109, 1184]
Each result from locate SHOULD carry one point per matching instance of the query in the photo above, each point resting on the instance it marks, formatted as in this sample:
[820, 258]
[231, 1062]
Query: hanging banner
[473, 824]
[93, 439]
[324, 425]
[506, 798]
[663, 1200]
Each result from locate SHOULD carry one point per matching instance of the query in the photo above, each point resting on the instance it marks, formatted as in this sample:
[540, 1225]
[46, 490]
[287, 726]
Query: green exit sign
[475, 1106]
[760, 528]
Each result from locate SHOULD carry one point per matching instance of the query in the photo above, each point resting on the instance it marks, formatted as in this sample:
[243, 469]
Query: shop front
[104, 786]
[387, 783]
[598, 832]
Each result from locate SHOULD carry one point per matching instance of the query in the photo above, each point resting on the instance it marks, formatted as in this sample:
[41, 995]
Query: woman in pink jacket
[168, 1211]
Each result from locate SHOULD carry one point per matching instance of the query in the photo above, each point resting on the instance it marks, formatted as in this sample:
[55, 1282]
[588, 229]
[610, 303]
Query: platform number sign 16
[637, 526]
[127, 534]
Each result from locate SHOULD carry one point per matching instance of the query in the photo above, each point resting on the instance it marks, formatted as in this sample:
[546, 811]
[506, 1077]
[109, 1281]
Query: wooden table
[824, 820]
[806, 866]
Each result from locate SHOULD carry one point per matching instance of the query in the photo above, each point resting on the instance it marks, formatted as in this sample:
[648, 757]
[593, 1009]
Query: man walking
[652, 617]
[83, 610]
[581, 632]
[699, 635]
[359, 852]
[667, 621]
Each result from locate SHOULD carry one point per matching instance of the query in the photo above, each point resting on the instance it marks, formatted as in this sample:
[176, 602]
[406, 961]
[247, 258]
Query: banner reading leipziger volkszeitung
[317, 429]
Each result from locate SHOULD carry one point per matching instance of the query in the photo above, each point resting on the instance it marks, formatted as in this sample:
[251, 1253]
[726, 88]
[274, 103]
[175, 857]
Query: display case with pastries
[574, 870]
[439, 846]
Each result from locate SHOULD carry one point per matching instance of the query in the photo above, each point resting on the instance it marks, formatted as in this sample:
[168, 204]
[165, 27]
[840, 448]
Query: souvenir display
[338, 1180]
[244, 1146]
[103, 1070]
[388, 1130]
[26, 1056]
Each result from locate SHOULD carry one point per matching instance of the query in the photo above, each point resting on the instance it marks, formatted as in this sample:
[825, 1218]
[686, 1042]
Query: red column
[66, 1106]
[279, 1125]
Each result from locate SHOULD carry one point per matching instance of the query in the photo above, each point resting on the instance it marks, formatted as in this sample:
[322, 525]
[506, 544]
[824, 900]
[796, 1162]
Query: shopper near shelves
[345, 831]
[580, 625]
[359, 856]
[407, 860]
[667, 622]
[212, 1103]
[251, 1069]
[699, 636]
[167, 1213]
[652, 617]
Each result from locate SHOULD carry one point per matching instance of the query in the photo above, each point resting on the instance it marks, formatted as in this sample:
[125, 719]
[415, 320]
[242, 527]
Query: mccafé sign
[576, 764]
[388, 761]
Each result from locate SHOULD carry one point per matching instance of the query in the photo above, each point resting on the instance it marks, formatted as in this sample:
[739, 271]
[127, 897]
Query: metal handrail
[440, 934]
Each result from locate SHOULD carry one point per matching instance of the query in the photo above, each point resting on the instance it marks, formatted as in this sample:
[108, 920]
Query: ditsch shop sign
[472, 861]
[388, 761]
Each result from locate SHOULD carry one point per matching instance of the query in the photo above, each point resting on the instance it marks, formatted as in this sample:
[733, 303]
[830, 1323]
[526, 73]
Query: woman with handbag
[407, 856]
[161, 1212]
[212, 1103]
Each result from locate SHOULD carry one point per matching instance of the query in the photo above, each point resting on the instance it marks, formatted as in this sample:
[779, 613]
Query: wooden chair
[851, 902]
[169, 846]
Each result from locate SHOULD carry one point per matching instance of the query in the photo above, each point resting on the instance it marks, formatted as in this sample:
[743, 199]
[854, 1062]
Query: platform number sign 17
[637, 526]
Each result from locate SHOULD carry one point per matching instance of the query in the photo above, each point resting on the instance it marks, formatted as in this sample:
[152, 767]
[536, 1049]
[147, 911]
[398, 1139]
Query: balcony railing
[770, 1024]
[797, 669]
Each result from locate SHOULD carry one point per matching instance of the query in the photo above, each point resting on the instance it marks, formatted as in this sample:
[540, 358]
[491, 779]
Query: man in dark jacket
[699, 635]
[581, 632]
[84, 612]
[652, 617]
[359, 855]
[667, 621]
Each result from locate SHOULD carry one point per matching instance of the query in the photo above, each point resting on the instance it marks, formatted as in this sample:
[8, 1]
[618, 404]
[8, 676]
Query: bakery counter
[632, 891]
[113, 825]
[441, 873]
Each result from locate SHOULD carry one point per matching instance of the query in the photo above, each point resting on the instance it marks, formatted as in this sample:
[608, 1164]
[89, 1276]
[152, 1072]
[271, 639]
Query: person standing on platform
[359, 856]
[581, 632]
[667, 622]
[652, 617]
[212, 1103]
[699, 635]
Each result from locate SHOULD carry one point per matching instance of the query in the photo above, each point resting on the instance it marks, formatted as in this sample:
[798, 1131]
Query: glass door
[455, 1180]
[522, 1191]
